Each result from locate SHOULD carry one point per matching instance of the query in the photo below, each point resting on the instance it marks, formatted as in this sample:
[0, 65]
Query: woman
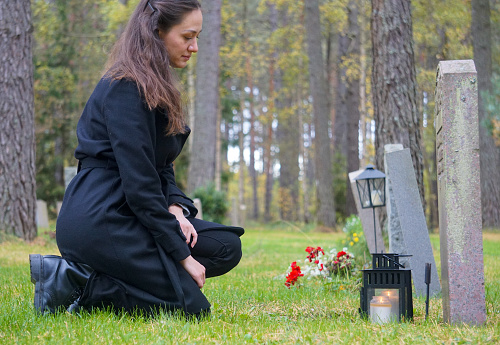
[127, 234]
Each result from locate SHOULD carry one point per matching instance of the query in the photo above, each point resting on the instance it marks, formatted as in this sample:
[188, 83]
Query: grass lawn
[249, 305]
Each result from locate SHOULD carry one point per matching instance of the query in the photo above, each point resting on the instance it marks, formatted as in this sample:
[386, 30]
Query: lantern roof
[370, 173]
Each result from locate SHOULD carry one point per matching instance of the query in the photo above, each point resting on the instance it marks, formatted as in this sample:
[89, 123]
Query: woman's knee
[218, 251]
[230, 253]
[234, 252]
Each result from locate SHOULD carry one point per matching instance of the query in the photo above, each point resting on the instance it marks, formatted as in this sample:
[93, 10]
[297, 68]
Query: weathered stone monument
[42, 216]
[459, 192]
[69, 173]
[406, 206]
[366, 217]
[396, 244]
[197, 204]
[234, 212]
[58, 207]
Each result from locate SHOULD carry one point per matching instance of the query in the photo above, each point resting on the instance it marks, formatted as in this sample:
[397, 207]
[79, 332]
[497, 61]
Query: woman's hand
[187, 228]
[195, 270]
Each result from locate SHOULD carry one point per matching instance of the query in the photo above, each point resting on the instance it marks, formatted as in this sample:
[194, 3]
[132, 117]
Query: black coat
[115, 215]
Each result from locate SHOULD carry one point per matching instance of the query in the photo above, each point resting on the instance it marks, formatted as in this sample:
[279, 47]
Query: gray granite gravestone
[197, 204]
[42, 216]
[69, 173]
[366, 217]
[459, 193]
[234, 212]
[408, 205]
[396, 244]
[58, 207]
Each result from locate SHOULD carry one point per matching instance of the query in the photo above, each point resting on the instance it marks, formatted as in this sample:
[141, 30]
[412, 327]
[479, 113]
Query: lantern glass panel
[384, 305]
[364, 193]
[371, 192]
[389, 285]
[377, 191]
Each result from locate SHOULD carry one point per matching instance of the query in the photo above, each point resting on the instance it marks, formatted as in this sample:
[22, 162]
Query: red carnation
[314, 252]
[294, 275]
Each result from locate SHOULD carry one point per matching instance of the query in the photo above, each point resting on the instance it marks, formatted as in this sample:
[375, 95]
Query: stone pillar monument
[459, 193]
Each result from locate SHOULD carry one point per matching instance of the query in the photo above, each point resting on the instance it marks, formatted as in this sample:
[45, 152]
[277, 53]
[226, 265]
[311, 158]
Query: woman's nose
[193, 47]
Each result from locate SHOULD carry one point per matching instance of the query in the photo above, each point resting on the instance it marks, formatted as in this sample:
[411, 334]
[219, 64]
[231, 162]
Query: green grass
[249, 305]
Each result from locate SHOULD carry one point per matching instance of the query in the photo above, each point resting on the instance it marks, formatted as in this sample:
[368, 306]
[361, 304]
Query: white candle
[393, 296]
[376, 200]
[380, 309]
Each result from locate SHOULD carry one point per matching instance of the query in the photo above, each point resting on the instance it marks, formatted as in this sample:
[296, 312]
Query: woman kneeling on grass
[126, 232]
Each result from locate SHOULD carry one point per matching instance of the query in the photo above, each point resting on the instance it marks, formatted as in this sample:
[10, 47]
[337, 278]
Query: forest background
[265, 157]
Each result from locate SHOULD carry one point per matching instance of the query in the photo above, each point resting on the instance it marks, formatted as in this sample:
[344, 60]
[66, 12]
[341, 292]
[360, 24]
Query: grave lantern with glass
[386, 294]
[371, 189]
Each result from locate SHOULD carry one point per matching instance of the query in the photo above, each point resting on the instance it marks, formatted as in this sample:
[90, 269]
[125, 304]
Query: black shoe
[58, 283]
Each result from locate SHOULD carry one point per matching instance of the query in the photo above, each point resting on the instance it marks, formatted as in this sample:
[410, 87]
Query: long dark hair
[140, 55]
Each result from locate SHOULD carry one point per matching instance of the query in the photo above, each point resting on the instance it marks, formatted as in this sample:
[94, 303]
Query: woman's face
[181, 39]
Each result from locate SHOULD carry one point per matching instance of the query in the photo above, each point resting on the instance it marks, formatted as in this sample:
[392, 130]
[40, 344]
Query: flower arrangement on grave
[318, 265]
[335, 268]
[341, 264]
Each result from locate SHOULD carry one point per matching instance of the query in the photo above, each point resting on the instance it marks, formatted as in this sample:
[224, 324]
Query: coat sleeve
[131, 128]
[173, 193]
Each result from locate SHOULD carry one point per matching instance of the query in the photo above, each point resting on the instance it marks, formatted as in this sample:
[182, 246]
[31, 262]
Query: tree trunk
[191, 104]
[353, 105]
[251, 168]
[268, 166]
[269, 173]
[308, 177]
[202, 160]
[319, 92]
[348, 114]
[340, 122]
[490, 154]
[273, 75]
[394, 83]
[287, 133]
[218, 148]
[17, 134]
[303, 214]
[242, 166]
[363, 116]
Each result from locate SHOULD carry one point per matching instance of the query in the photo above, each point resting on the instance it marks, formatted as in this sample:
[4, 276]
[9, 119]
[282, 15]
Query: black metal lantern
[386, 294]
[371, 190]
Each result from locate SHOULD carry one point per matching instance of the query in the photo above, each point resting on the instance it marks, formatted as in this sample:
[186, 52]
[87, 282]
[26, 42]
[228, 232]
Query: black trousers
[219, 251]
[150, 281]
